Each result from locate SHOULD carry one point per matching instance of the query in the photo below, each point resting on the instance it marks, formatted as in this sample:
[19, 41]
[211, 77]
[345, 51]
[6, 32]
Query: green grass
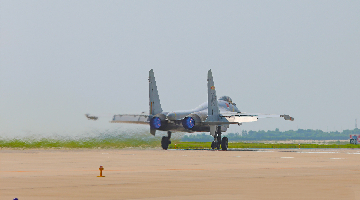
[117, 143]
[207, 145]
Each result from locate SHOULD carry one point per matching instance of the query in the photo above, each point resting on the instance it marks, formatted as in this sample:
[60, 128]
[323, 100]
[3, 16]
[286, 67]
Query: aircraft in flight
[91, 117]
[213, 116]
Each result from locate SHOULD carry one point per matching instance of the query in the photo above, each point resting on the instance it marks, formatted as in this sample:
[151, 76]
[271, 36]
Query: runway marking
[114, 170]
[337, 158]
[264, 151]
[287, 157]
[353, 153]
[318, 152]
[181, 169]
[137, 170]
[238, 156]
[119, 170]
[20, 171]
[277, 168]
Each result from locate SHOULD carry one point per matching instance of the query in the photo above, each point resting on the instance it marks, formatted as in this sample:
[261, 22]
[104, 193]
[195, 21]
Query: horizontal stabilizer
[251, 117]
[132, 119]
[218, 123]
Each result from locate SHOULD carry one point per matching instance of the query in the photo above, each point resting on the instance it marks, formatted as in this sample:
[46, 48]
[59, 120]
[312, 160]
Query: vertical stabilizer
[154, 100]
[213, 108]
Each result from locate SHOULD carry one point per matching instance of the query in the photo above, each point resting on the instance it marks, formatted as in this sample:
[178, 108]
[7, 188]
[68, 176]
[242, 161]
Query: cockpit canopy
[226, 98]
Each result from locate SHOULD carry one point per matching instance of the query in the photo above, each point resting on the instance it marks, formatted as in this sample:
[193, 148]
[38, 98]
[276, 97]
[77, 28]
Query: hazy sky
[62, 59]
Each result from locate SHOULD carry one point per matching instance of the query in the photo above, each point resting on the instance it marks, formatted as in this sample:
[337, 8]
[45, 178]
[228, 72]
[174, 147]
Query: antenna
[355, 123]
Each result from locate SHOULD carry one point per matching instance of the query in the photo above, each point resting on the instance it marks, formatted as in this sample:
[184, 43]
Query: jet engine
[191, 121]
[158, 121]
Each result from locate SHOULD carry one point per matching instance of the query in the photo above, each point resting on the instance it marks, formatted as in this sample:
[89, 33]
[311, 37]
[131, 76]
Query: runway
[180, 174]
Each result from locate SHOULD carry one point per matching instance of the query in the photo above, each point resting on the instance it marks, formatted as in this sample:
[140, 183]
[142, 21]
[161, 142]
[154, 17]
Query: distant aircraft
[91, 117]
[213, 116]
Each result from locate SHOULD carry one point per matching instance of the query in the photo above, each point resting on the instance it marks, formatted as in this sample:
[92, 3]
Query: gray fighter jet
[213, 116]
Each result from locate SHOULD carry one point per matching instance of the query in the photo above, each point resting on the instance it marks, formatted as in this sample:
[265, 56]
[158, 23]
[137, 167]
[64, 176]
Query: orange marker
[101, 168]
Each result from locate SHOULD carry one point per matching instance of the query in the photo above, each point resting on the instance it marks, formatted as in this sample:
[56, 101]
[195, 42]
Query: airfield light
[101, 168]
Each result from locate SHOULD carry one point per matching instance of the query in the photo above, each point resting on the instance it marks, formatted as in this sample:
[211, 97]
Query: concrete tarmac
[178, 174]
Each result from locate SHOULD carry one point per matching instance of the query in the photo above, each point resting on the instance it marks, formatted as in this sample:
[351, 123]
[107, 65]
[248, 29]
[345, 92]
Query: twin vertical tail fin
[213, 108]
[154, 99]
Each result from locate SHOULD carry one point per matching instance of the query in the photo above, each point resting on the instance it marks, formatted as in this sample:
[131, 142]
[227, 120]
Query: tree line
[300, 134]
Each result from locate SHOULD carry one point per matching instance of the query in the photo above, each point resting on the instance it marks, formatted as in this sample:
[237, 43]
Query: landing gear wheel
[165, 142]
[218, 141]
[224, 144]
[213, 145]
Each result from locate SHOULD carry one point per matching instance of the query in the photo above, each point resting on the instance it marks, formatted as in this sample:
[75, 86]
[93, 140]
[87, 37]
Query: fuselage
[175, 118]
[224, 106]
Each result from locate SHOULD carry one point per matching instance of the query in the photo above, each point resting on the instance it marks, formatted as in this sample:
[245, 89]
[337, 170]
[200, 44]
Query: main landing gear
[165, 141]
[218, 141]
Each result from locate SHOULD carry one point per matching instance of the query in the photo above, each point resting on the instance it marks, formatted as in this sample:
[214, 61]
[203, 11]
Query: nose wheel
[165, 141]
[218, 142]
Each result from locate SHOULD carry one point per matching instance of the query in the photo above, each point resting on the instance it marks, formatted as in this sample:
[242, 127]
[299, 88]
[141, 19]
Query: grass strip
[119, 143]
[207, 145]
[80, 143]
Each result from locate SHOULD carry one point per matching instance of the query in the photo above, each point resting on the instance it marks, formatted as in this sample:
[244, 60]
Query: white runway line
[337, 158]
[287, 157]
[317, 152]
[264, 151]
[238, 156]
[353, 153]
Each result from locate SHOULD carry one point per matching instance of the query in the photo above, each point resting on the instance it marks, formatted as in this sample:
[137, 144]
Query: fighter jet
[213, 116]
[91, 117]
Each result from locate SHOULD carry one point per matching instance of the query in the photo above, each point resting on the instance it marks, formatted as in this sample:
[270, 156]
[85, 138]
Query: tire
[165, 143]
[224, 144]
[213, 145]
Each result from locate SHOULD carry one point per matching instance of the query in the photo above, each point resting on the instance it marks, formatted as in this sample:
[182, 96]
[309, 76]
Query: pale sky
[62, 59]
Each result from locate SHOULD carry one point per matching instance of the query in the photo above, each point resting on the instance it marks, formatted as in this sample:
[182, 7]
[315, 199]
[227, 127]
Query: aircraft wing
[251, 117]
[132, 119]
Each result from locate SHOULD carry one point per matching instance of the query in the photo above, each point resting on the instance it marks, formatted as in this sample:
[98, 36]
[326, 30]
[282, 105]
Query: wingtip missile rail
[287, 117]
